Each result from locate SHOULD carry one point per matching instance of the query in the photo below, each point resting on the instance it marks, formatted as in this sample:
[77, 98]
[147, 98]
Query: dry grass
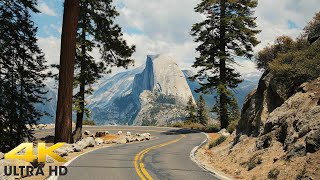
[234, 161]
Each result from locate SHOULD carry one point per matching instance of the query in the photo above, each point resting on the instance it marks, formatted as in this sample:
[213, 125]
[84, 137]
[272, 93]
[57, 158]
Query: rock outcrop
[163, 92]
[293, 121]
[259, 104]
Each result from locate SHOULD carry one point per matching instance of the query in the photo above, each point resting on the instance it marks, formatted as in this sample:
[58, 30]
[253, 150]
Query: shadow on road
[180, 131]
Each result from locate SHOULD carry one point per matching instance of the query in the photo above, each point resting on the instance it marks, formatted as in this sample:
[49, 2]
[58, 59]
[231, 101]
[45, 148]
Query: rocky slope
[278, 136]
[294, 121]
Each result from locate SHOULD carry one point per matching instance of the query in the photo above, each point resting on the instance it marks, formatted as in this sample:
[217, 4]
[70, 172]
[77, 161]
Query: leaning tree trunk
[223, 81]
[63, 128]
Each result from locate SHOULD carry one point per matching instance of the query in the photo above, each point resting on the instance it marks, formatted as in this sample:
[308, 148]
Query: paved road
[166, 157]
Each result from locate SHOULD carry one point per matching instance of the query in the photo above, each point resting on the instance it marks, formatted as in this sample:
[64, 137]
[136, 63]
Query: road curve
[166, 157]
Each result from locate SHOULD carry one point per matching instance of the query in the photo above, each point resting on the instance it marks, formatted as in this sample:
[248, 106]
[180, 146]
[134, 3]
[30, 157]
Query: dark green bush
[273, 173]
[212, 128]
[88, 122]
[217, 142]
[232, 126]
[177, 124]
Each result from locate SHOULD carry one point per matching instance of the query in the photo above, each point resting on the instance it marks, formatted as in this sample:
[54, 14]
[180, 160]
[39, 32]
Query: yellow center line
[138, 164]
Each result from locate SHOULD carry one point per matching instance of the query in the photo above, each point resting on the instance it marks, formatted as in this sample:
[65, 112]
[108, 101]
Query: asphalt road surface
[165, 157]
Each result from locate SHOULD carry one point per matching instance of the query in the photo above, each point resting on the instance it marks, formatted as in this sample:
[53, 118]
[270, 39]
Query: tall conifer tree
[22, 67]
[96, 29]
[191, 110]
[227, 31]
[202, 112]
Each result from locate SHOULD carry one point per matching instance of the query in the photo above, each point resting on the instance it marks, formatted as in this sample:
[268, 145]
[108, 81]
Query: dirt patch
[245, 161]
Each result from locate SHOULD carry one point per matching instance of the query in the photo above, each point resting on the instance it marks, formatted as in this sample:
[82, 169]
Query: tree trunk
[223, 82]
[63, 128]
[77, 134]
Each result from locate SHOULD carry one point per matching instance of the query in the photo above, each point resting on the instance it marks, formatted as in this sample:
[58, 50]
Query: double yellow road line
[138, 164]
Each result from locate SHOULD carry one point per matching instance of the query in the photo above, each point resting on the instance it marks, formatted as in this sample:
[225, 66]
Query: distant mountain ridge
[121, 99]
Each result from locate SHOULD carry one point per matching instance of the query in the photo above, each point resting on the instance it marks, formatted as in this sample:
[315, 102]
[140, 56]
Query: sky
[163, 27]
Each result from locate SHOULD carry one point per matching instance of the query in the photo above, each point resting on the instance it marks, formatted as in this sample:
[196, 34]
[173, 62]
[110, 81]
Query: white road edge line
[205, 168]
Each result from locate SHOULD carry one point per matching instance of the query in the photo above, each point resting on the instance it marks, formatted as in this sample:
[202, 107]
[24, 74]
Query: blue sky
[164, 26]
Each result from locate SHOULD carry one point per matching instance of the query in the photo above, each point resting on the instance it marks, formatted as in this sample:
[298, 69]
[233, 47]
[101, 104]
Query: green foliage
[212, 128]
[88, 122]
[146, 122]
[177, 124]
[217, 142]
[227, 31]
[97, 30]
[191, 110]
[253, 162]
[273, 173]
[233, 111]
[312, 30]
[302, 174]
[22, 72]
[293, 62]
[165, 99]
[202, 113]
[232, 126]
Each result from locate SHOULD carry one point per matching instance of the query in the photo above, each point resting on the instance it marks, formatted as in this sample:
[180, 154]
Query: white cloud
[45, 9]
[51, 48]
[166, 24]
[273, 17]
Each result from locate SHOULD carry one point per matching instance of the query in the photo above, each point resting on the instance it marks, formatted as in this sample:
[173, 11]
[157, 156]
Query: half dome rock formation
[156, 94]
[162, 75]
[163, 92]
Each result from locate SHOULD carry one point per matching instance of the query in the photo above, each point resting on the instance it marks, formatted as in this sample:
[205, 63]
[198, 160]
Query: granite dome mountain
[152, 94]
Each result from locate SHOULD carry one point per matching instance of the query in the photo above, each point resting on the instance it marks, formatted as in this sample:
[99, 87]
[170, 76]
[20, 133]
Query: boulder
[122, 141]
[224, 132]
[119, 132]
[87, 132]
[139, 138]
[89, 141]
[106, 132]
[61, 151]
[100, 134]
[128, 134]
[138, 134]
[99, 141]
[79, 146]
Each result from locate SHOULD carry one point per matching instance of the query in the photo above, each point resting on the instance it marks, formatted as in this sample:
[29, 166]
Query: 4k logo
[42, 152]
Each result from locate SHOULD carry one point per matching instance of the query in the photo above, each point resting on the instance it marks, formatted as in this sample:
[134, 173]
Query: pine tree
[202, 113]
[312, 30]
[191, 110]
[22, 67]
[63, 128]
[227, 32]
[96, 29]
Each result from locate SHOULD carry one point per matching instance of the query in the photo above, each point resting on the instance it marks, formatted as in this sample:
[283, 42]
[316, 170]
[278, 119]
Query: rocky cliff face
[163, 91]
[144, 95]
[272, 116]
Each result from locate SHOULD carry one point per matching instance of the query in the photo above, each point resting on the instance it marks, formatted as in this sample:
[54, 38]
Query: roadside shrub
[301, 174]
[177, 124]
[273, 173]
[196, 126]
[254, 162]
[232, 126]
[217, 142]
[212, 128]
[88, 122]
